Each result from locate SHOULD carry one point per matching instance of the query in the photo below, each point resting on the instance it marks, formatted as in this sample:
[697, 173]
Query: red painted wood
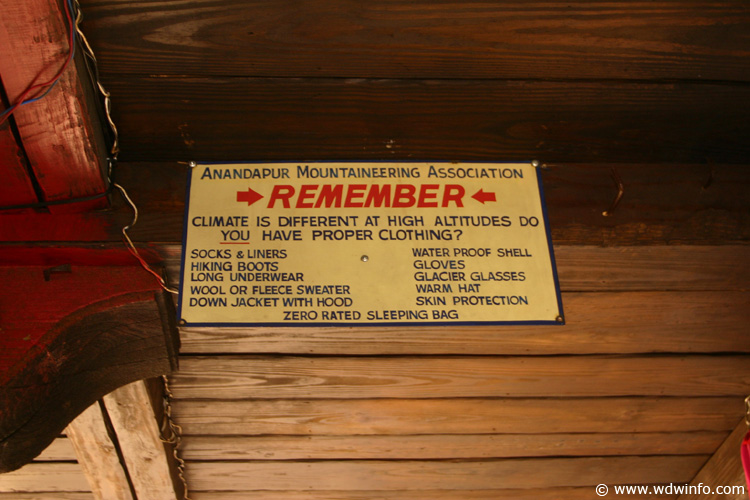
[63, 143]
[30, 306]
[112, 254]
[16, 187]
[83, 356]
[86, 226]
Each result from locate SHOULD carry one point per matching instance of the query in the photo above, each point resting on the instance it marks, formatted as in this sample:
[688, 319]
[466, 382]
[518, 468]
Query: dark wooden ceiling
[573, 81]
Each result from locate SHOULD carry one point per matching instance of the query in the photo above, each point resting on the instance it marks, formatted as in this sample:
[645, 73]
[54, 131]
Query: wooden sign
[291, 244]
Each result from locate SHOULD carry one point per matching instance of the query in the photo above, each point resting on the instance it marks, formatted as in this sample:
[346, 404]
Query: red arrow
[249, 196]
[482, 196]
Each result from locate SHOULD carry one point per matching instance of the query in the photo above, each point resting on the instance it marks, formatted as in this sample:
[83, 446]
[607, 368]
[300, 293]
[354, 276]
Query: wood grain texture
[567, 493]
[86, 226]
[16, 187]
[61, 134]
[45, 477]
[622, 322]
[446, 447]
[457, 416]
[284, 377]
[216, 119]
[146, 458]
[60, 450]
[47, 496]
[27, 317]
[98, 455]
[724, 469]
[661, 202]
[451, 475]
[676, 268]
[422, 39]
[80, 358]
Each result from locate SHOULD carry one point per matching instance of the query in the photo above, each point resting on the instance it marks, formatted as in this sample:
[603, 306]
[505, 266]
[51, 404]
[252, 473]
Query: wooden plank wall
[646, 379]
[53, 475]
[639, 387]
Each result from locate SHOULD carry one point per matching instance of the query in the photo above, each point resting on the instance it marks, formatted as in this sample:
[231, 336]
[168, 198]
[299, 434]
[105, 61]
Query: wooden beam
[425, 39]
[455, 120]
[148, 459]
[448, 447]
[559, 81]
[723, 469]
[98, 455]
[60, 450]
[118, 443]
[51, 255]
[449, 475]
[51, 294]
[456, 416]
[674, 267]
[69, 340]
[688, 204]
[45, 478]
[340, 377]
[61, 133]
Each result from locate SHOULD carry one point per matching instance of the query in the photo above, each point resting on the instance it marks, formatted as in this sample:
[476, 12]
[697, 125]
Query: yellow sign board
[310, 244]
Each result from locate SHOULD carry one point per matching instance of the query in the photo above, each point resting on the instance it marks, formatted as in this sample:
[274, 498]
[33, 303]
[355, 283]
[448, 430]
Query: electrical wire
[52, 82]
[131, 246]
[72, 37]
[175, 430]
[93, 68]
[88, 52]
[77, 34]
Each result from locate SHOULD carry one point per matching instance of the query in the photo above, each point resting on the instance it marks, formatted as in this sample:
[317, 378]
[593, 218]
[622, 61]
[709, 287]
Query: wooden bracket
[67, 342]
[724, 468]
[118, 444]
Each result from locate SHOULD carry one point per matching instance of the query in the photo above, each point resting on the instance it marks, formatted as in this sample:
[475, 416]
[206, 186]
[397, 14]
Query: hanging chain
[171, 433]
[747, 411]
